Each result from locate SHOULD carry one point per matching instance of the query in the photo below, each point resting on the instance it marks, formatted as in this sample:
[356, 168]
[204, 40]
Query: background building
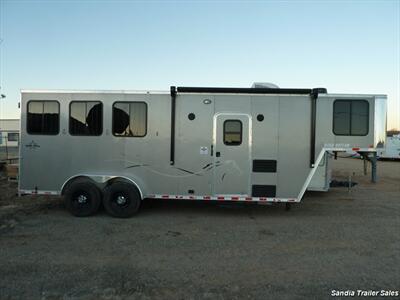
[9, 138]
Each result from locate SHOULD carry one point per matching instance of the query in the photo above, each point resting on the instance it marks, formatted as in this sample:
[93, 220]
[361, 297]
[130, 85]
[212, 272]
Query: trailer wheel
[121, 200]
[82, 199]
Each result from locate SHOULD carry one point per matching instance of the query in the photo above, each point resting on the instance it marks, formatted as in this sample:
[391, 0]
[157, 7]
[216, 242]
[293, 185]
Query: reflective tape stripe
[30, 192]
[223, 198]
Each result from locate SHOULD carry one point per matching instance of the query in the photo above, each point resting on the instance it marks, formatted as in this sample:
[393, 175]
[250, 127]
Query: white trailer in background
[9, 132]
[391, 149]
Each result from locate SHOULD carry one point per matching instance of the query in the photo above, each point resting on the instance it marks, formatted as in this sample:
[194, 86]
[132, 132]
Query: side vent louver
[264, 165]
[263, 191]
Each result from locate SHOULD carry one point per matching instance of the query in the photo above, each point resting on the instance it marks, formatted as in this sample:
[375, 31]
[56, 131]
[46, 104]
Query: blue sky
[345, 46]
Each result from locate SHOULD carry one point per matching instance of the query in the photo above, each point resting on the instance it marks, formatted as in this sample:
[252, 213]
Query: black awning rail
[228, 90]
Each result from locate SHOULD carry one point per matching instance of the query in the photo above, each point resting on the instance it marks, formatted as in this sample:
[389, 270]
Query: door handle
[217, 154]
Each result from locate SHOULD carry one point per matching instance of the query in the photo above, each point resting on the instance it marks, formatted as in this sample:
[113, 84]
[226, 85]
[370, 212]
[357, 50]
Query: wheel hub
[121, 200]
[82, 199]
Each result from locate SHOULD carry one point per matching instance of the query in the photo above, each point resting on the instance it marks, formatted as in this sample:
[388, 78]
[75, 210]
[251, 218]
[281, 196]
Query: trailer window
[86, 118]
[130, 119]
[350, 117]
[232, 132]
[43, 117]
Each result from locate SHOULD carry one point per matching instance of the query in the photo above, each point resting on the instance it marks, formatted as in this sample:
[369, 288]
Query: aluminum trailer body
[249, 144]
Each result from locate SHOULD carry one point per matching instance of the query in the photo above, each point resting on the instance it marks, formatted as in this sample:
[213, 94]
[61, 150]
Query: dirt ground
[192, 250]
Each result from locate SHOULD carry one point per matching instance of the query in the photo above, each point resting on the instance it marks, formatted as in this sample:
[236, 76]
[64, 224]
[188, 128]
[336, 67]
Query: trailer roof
[201, 90]
[350, 95]
[55, 91]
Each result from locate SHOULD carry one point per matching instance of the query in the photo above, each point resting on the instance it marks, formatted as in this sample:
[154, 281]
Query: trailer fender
[74, 179]
[128, 180]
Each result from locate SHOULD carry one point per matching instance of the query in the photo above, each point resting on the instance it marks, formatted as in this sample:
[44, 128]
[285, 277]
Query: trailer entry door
[231, 154]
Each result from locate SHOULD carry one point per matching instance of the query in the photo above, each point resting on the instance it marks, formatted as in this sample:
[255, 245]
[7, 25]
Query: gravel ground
[193, 250]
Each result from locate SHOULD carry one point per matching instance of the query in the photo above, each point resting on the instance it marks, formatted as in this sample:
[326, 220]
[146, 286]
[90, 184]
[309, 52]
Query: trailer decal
[187, 171]
[134, 166]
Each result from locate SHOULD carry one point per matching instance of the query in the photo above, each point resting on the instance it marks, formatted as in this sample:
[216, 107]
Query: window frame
[224, 132]
[88, 101]
[59, 117]
[112, 119]
[351, 110]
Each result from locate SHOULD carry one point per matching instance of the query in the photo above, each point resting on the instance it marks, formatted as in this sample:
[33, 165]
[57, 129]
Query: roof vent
[264, 85]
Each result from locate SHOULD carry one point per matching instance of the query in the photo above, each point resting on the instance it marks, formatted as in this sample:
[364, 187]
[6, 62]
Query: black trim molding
[173, 109]
[217, 90]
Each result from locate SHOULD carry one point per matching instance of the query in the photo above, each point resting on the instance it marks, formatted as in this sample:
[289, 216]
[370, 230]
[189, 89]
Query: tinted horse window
[86, 118]
[130, 119]
[43, 117]
[350, 117]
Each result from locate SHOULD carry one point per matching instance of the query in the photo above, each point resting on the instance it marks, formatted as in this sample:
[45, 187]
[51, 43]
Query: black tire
[82, 199]
[121, 200]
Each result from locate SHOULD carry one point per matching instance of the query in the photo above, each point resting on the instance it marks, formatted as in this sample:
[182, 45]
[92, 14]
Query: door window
[233, 132]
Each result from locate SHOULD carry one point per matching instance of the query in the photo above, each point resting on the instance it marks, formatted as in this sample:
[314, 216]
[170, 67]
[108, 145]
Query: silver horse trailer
[226, 144]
